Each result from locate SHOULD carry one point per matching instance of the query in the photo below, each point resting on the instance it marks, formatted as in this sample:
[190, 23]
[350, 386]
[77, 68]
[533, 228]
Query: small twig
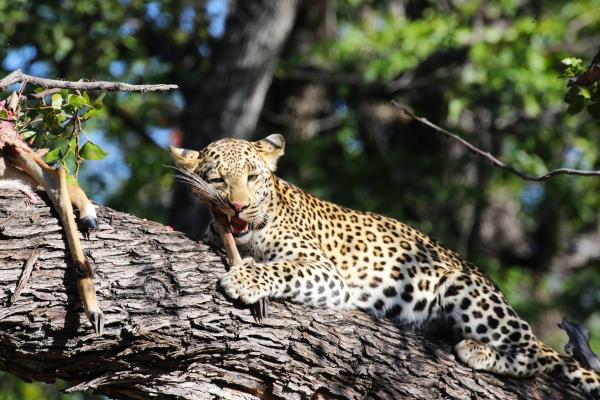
[496, 162]
[24, 276]
[579, 344]
[18, 76]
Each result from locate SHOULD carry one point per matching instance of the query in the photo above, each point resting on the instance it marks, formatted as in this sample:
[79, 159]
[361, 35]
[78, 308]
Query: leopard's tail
[586, 379]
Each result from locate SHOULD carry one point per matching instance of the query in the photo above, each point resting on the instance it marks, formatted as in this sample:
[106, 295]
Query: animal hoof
[97, 320]
[89, 223]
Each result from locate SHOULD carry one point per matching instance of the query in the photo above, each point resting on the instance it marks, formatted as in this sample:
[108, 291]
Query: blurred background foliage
[487, 70]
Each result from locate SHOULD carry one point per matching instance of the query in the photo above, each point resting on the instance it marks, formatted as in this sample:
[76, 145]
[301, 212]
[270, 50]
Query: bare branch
[486, 155]
[579, 344]
[18, 76]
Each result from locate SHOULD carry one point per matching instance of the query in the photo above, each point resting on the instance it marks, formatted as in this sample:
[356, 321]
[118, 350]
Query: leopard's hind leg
[484, 357]
[495, 339]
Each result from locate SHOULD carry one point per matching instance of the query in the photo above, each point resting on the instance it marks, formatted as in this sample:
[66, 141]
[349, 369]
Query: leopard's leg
[517, 361]
[310, 281]
[495, 339]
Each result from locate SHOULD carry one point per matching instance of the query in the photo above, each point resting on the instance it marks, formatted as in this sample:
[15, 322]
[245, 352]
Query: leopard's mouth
[238, 226]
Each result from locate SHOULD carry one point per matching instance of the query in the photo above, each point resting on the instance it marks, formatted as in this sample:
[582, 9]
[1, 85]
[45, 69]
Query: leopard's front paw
[247, 284]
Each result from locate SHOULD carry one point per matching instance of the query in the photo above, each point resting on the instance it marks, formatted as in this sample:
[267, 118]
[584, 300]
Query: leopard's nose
[238, 206]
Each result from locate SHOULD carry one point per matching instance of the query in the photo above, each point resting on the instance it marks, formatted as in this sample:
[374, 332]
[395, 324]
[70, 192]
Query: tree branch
[493, 160]
[18, 76]
[579, 344]
[171, 334]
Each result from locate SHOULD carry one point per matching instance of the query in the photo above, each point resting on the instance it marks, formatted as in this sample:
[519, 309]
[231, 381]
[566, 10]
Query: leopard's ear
[270, 149]
[184, 158]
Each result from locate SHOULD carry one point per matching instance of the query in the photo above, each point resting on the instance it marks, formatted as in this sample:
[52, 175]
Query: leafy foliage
[57, 125]
[584, 91]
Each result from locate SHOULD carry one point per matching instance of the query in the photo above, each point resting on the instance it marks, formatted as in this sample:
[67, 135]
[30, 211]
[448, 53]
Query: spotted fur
[315, 252]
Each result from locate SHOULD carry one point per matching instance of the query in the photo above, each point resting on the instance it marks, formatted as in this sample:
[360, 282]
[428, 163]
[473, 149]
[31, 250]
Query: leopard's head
[242, 173]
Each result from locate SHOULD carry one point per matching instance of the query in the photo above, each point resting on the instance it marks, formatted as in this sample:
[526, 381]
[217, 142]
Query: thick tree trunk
[171, 334]
[226, 102]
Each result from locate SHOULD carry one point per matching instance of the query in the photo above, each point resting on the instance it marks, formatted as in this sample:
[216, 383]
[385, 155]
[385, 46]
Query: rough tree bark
[171, 334]
[227, 100]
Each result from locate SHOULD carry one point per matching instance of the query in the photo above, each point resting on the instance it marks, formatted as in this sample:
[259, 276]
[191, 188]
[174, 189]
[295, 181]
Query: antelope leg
[55, 183]
[87, 211]
[260, 309]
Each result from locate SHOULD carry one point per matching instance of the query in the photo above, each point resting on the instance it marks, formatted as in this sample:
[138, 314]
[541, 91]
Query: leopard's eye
[252, 177]
[216, 180]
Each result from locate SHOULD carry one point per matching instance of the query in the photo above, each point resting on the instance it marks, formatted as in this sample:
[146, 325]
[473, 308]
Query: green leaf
[576, 100]
[98, 102]
[3, 114]
[573, 95]
[28, 135]
[571, 61]
[89, 114]
[53, 155]
[91, 151]
[70, 162]
[72, 146]
[57, 100]
[585, 93]
[76, 101]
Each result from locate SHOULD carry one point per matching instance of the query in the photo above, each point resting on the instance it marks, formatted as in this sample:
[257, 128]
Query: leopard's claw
[261, 309]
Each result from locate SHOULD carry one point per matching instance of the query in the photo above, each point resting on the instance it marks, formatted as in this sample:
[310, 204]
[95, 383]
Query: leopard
[300, 248]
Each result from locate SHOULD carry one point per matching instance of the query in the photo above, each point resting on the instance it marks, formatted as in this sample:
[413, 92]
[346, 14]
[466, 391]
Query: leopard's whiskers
[205, 192]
